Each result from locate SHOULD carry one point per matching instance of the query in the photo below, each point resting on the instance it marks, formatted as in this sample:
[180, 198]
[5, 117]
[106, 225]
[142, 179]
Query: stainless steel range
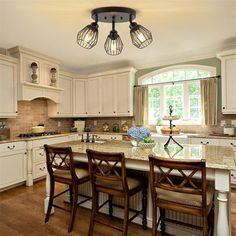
[31, 135]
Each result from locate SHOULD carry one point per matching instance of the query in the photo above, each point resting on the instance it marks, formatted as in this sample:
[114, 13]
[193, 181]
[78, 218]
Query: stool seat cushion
[185, 198]
[117, 185]
[80, 172]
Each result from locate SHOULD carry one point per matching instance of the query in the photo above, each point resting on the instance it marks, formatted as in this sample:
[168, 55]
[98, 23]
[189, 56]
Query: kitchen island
[219, 163]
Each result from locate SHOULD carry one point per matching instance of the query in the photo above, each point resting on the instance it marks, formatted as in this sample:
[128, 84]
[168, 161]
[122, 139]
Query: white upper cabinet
[79, 98]
[113, 93]
[8, 89]
[124, 90]
[41, 87]
[228, 75]
[108, 95]
[93, 97]
[65, 107]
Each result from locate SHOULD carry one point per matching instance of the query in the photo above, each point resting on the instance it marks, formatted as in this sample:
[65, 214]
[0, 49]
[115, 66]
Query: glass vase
[135, 142]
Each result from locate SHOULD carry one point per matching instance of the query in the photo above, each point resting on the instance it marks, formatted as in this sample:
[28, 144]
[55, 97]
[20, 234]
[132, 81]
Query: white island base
[222, 203]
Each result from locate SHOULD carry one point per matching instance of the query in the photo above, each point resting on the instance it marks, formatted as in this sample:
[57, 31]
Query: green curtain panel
[141, 105]
[209, 101]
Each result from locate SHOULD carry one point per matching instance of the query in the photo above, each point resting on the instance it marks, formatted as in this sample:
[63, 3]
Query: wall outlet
[59, 124]
[222, 123]
[95, 122]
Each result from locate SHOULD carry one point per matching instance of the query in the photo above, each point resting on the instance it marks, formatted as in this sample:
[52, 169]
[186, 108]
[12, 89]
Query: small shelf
[42, 86]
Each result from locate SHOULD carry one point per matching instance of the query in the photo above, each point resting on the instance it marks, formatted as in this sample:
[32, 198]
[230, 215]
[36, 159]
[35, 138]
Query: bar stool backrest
[59, 158]
[178, 176]
[105, 166]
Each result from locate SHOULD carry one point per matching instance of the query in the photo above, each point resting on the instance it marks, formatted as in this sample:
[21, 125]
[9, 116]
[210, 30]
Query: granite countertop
[56, 135]
[193, 135]
[33, 138]
[217, 157]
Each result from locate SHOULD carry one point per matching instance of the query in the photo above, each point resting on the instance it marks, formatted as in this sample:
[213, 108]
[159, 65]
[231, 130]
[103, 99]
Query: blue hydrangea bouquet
[138, 134]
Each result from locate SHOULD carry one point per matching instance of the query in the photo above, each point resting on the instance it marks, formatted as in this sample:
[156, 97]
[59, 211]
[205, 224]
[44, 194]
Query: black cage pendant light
[88, 36]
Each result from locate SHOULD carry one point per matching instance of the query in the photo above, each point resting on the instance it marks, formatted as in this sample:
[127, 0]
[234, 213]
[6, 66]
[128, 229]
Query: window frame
[185, 67]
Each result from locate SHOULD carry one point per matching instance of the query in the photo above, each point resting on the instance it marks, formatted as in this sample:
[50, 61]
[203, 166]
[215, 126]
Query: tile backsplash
[31, 113]
[96, 123]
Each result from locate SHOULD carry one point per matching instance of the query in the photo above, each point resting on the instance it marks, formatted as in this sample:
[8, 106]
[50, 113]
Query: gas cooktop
[31, 135]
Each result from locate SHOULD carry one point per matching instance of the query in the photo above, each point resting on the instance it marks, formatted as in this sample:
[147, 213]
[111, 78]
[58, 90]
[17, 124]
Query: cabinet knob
[233, 145]
[128, 111]
[99, 112]
[16, 111]
[223, 107]
[114, 112]
[204, 143]
[58, 112]
[11, 147]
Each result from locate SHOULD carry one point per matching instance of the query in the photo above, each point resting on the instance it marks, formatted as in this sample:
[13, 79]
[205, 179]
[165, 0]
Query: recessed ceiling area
[181, 30]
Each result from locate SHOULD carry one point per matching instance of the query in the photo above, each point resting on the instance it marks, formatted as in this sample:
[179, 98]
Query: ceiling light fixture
[88, 36]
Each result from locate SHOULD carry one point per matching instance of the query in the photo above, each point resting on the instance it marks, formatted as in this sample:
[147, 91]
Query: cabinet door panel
[79, 97]
[8, 101]
[66, 106]
[230, 85]
[93, 97]
[124, 99]
[108, 96]
[12, 169]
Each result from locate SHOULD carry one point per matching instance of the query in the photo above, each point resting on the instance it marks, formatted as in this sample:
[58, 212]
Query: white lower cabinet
[12, 163]
[39, 157]
[231, 143]
[220, 142]
[204, 141]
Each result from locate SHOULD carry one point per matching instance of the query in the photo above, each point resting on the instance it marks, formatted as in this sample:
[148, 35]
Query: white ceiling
[182, 30]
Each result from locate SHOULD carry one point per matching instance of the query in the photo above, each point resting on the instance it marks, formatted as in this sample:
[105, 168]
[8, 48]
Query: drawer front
[204, 141]
[49, 141]
[13, 146]
[109, 137]
[40, 170]
[39, 155]
[228, 142]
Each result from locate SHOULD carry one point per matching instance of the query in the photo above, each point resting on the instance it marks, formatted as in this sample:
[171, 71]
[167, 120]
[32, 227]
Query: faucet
[93, 138]
[82, 138]
[87, 138]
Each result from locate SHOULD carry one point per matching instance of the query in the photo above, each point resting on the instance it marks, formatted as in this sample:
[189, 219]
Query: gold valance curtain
[209, 94]
[141, 105]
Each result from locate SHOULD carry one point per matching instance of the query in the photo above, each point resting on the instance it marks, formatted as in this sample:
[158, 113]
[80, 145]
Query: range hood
[38, 75]
[28, 91]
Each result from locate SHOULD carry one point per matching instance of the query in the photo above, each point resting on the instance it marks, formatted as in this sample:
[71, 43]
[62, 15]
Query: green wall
[215, 62]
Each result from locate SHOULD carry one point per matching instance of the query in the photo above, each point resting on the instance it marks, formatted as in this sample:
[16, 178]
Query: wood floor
[21, 214]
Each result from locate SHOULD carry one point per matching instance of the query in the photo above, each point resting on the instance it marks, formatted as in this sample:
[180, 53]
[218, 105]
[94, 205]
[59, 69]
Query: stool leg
[71, 194]
[74, 207]
[126, 215]
[110, 205]
[205, 225]
[154, 219]
[144, 207]
[162, 212]
[51, 197]
[94, 211]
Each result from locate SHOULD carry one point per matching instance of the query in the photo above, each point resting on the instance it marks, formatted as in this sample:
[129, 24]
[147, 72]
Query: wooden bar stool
[182, 193]
[61, 169]
[106, 177]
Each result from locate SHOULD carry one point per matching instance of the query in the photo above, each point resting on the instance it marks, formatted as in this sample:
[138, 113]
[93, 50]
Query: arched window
[178, 86]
